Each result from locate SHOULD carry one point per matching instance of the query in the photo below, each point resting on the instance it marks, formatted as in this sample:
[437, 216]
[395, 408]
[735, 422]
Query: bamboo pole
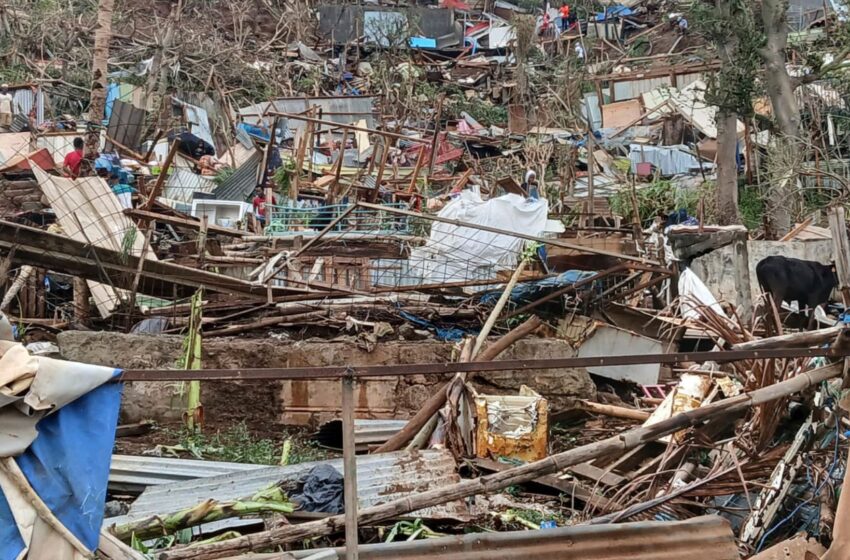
[795, 340]
[438, 399]
[614, 411]
[619, 443]
[161, 178]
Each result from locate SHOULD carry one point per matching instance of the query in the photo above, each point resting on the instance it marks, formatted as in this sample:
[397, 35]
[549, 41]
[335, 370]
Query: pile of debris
[476, 237]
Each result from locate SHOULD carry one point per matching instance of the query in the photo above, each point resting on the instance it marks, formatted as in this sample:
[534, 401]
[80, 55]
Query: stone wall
[717, 269]
[308, 402]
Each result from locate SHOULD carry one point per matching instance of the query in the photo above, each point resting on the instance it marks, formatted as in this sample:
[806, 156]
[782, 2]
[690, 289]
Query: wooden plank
[194, 225]
[111, 547]
[162, 177]
[621, 114]
[350, 469]
[570, 488]
[840, 250]
[587, 470]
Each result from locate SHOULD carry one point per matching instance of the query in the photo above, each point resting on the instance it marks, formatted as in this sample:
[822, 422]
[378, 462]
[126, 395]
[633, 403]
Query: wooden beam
[353, 127]
[182, 222]
[161, 178]
[350, 469]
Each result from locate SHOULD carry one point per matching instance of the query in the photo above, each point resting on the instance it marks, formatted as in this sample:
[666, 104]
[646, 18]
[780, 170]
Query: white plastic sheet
[693, 292]
[457, 253]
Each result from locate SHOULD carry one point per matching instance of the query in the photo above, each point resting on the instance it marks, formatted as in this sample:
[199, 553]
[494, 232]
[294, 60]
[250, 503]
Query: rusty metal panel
[512, 426]
[126, 125]
[700, 538]
[380, 478]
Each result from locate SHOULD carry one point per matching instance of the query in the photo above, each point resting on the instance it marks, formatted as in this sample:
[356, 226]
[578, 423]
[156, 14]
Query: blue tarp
[527, 292]
[614, 12]
[451, 334]
[68, 467]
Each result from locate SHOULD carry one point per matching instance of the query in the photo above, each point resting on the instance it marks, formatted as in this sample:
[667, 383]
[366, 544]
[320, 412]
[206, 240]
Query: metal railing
[291, 220]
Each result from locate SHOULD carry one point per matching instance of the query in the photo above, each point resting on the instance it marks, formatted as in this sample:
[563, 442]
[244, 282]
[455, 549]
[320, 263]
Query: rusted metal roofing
[126, 125]
[380, 478]
[700, 538]
[366, 432]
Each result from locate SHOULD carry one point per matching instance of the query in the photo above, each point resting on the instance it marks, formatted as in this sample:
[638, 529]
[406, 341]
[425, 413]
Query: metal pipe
[336, 372]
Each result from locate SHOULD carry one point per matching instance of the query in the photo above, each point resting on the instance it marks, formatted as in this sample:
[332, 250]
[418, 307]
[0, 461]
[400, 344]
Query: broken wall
[19, 196]
[262, 403]
[717, 269]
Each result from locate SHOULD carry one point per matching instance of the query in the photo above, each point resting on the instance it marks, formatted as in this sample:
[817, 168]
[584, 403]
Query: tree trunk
[780, 89]
[727, 168]
[780, 86]
[97, 105]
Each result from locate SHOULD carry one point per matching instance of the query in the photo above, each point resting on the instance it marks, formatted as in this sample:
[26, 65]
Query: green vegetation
[237, 444]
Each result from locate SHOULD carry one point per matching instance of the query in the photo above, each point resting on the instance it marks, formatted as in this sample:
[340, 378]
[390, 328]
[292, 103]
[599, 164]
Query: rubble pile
[446, 278]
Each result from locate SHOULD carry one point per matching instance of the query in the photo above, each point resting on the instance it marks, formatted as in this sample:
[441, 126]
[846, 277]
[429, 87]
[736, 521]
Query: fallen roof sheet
[131, 473]
[706, 537]
[126, 125]
[89, 212]
[380, 478]
[239, 185]
[366, 432]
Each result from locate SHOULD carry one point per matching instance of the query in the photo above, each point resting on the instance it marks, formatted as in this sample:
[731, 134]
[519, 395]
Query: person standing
[121, 188]
[683, 25]
[74, 160]
[579, 52]
[565, 17]
[259, 204]
[6, 107]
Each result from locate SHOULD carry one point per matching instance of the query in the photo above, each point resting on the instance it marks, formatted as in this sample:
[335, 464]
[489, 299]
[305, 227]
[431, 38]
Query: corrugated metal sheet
[366, 432]
[131, 473]
[630, 89]
[342, 110]
[700, 538]
[239, 185]
[183, 183]
[126, 125]
[25, 99]
[59, 144]
[380, 478]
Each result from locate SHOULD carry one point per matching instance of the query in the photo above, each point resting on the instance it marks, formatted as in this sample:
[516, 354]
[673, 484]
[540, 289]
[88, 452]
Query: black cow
[808, 283]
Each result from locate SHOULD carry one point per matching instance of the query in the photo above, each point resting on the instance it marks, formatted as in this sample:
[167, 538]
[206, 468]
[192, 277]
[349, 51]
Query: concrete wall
[717, 269]
[307, 402]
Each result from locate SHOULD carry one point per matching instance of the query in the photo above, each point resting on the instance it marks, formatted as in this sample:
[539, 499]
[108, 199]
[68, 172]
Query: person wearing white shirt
[6, 111]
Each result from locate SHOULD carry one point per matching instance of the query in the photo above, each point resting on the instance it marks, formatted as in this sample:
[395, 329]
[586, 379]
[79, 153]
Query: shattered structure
[435, 278]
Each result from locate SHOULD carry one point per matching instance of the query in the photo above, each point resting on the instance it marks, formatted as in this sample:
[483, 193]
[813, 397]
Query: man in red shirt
[74, 160]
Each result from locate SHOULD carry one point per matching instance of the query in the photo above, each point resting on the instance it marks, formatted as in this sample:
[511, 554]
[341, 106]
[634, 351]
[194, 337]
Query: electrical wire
[814, 495]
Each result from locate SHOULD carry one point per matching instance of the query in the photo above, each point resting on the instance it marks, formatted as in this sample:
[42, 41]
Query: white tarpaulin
[457, 253]
[694, 293]
[89, 212]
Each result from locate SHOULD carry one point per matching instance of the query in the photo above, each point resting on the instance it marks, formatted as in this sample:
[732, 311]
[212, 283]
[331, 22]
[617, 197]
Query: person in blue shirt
[120, 183]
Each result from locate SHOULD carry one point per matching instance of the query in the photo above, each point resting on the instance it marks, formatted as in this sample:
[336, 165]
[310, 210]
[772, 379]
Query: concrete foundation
[262, 403]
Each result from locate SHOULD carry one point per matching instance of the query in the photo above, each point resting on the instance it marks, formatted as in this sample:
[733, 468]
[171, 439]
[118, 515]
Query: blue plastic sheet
[614, 12]
[68, 467]
[527, 292]
[451, 334]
